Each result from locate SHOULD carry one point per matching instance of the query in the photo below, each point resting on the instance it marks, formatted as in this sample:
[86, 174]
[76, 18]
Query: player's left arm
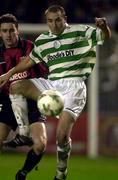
[103, 25]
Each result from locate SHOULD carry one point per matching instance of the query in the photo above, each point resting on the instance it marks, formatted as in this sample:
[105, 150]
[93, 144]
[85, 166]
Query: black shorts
[33, 113]
[7, 115]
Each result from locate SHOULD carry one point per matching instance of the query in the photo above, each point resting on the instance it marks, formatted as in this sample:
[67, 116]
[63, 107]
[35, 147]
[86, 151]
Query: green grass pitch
[80, 168]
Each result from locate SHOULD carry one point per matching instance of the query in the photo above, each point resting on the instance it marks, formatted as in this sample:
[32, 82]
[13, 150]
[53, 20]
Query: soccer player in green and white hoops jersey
[70, 54]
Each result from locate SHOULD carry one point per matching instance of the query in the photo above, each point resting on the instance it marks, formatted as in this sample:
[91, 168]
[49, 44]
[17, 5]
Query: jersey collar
[53, 35]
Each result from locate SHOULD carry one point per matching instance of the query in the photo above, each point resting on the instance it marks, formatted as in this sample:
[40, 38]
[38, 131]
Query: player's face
[56, 22]
[9, 34]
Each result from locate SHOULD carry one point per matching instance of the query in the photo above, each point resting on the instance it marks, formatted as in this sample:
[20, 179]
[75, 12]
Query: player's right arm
[24, 65]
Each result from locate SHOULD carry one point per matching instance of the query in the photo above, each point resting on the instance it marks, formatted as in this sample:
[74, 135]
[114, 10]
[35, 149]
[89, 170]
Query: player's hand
[101, 22]
[4, 79]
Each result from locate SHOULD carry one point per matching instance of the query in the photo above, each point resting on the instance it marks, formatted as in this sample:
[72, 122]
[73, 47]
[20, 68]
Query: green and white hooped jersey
[71, 54]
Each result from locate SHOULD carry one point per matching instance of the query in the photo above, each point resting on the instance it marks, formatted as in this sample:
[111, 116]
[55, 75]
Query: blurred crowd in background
[78, 11]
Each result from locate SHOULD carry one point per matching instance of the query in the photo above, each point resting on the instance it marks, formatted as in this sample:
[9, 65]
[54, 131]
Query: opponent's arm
[25, 64]
[102, 24]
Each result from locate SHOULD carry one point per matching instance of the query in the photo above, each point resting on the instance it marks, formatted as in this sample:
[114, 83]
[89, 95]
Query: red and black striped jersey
[10, 57]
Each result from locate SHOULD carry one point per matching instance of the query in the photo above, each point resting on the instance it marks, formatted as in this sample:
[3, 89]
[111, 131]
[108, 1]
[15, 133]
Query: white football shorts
[72, 89]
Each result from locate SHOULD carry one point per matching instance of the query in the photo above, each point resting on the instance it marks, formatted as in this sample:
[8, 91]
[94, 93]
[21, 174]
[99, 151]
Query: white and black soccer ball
[50, 103]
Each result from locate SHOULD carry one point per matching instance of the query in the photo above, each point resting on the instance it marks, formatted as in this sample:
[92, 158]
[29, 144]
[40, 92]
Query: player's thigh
[38, 133]
[26, 88]
[4, 131]
[65, 125]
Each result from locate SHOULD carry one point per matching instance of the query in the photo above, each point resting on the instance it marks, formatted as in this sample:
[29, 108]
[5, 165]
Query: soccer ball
[50, 103]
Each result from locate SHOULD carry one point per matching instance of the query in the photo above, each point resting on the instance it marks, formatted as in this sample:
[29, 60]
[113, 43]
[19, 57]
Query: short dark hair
[9, 18]
[55, 8]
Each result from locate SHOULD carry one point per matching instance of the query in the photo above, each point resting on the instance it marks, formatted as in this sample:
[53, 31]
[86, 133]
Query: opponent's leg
[34, 156]
[4, 131]
[19, 106]
[18, 90]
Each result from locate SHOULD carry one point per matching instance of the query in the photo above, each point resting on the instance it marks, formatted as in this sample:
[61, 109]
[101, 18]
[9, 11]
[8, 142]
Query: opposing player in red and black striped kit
[12, 48]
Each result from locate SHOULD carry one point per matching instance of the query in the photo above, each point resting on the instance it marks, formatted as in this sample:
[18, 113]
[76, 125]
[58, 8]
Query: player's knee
[40, 145]
[15, 87]
[61, 138]
[18, 87]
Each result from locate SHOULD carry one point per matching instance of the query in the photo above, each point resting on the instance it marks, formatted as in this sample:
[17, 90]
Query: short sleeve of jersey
[35, 54]
[95, 34]
[99, 36]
